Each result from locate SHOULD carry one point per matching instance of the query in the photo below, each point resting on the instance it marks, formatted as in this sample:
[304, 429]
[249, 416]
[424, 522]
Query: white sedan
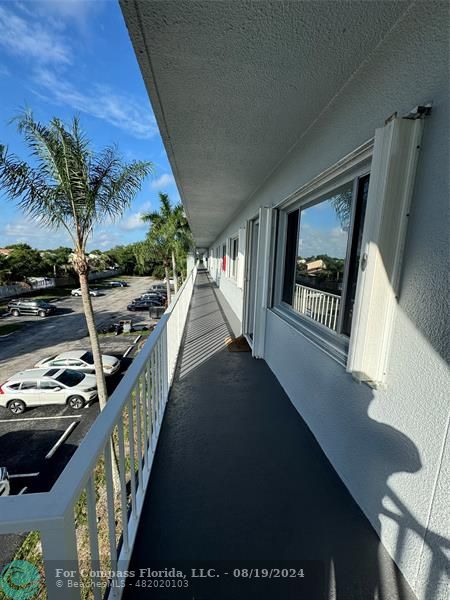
[40, 387]
[92, 292]
[80, 360]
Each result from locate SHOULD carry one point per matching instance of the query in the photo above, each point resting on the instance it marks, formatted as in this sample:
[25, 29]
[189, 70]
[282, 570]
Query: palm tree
[183, 240]
[69, 187]
[169, 236]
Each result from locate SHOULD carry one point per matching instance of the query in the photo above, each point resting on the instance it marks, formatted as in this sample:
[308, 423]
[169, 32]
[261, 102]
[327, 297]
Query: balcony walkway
[238, 476]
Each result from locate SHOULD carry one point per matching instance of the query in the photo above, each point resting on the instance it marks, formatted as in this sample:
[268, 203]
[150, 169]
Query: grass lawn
[9, 328]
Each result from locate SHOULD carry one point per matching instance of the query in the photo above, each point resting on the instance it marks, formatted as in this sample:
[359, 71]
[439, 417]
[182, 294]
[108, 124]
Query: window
[321, 255]
[224, 258]
[70, 378]
[234, 249]
[339, 248]
[88, 358]
[13, 386]
[50, 385]
[28, 385]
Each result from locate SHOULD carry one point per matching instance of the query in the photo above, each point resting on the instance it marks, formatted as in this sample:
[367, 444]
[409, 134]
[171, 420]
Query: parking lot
[36, 445]
[26, 440]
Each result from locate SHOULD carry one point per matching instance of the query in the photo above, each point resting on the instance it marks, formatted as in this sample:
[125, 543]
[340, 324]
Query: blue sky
[66, 57]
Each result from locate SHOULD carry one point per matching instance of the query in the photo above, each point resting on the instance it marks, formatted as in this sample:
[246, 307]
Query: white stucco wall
[387, 445]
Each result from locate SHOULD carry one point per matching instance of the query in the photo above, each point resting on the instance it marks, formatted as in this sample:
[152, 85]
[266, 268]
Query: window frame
[352, 167]
[233, 262]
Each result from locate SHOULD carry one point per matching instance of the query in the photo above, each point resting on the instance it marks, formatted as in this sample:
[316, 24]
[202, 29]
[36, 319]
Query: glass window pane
[321, 255]
[290, 256]
[355, 253]
[29, 385]
[234, 255]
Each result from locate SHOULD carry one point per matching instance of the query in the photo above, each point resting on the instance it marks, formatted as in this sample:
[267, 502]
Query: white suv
[37, 387]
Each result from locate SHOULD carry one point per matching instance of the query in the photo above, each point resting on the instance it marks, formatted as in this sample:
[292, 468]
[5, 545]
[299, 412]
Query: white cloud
[30, 39]
[104, 240]
[102, 102]
[331, 241]
[134, 221]
[162, 182]
[29, 232]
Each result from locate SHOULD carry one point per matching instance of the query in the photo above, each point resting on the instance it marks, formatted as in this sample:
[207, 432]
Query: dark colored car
[143, 304]
[24, 306]
[158, 287]
[153, 296]
[117, 283]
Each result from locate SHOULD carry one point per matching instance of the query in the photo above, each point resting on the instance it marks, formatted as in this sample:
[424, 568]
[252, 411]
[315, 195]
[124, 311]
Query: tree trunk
[169, 292]
[93, 336]
[174, 269]
[83, 270]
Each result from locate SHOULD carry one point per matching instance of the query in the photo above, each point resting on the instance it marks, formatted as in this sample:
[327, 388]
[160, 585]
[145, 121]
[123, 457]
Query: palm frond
[68, 185]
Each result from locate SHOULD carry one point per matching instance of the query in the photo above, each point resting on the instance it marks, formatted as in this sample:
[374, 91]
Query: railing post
[59, 549]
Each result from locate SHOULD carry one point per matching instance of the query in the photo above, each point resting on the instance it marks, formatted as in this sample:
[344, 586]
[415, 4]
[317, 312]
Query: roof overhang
[234, 85]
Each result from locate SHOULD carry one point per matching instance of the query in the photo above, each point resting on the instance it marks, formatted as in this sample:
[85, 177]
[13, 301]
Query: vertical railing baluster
[110, 497]
[138, 430]
[132, 463]
[93, 535]
[123, 486]
[154, 399]
[160, 380]
[150, 402]
[143, 384]
[59, 549]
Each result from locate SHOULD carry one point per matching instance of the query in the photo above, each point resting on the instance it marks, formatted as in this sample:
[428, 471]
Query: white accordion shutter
[395, 154]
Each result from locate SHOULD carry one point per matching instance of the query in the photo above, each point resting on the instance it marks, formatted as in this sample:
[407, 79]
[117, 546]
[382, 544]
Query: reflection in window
[234, 257]
[317, 268]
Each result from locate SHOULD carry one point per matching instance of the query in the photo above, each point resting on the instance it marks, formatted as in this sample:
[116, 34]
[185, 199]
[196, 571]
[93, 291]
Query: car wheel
[15, 313]
[76, 402]
[41, 313]
[17, 407]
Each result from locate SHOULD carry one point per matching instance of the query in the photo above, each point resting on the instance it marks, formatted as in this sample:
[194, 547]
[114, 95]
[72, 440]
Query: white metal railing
[323, 307]
[124, 434]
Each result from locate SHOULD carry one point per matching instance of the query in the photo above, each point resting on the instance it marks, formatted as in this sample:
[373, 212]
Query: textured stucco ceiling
[234, 84]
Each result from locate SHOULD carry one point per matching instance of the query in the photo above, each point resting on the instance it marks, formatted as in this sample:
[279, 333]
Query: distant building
[314, 266]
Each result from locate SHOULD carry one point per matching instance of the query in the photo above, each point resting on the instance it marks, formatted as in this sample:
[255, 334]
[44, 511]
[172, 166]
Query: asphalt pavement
[33, 446]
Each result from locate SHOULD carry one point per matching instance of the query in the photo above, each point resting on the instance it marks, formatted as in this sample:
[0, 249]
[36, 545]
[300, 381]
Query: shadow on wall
[438, 577]
[323, 523]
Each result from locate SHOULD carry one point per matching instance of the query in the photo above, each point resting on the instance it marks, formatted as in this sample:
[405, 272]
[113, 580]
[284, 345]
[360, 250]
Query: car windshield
[88, 358]
[40, 303]
[70, 378]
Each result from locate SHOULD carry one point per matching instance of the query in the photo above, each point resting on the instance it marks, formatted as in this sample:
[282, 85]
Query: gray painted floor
[239, 477]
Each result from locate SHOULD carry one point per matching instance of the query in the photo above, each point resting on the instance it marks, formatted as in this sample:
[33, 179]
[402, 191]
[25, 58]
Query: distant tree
[25, 262]
[70, 187]
[124, 257]
[57, 261]
[169, 237]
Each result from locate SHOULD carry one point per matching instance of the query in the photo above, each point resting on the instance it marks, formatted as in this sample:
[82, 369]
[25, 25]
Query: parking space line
[137, 339]
[61, 440]
[23, 490]
[40, 418]
[21, 475]
[127, 351]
